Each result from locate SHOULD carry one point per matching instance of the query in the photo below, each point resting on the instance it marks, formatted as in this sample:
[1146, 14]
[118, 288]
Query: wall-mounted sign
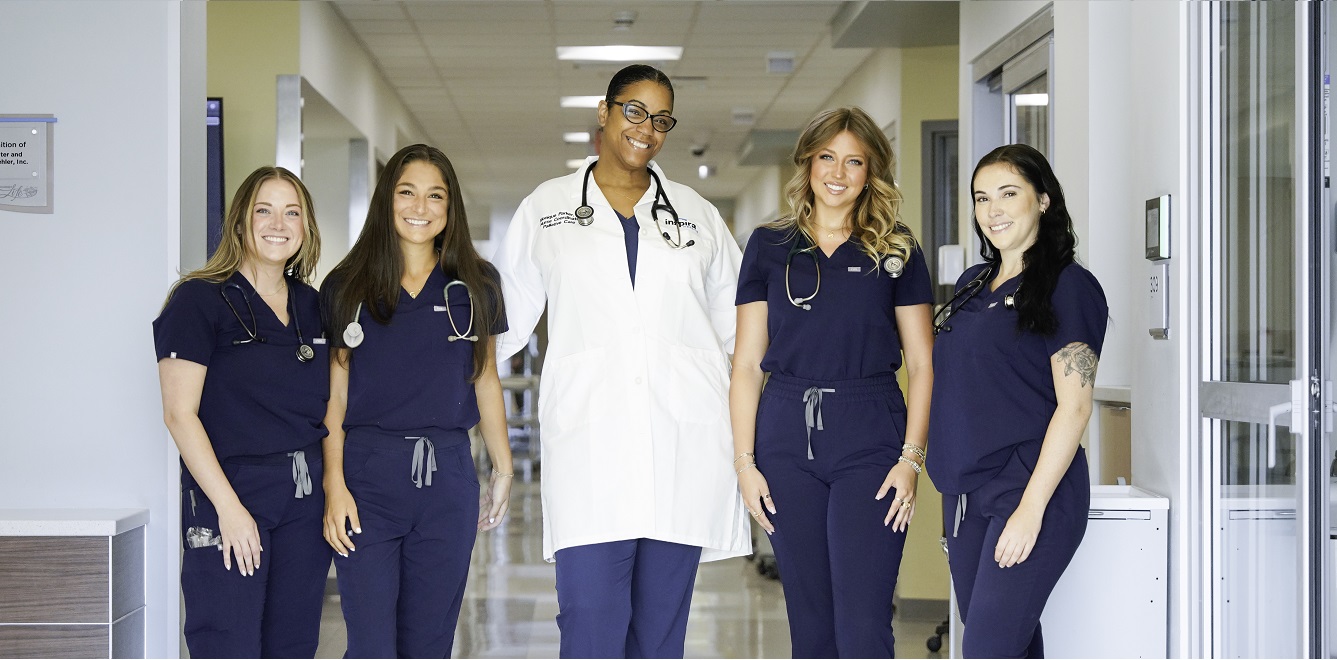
[27, 164]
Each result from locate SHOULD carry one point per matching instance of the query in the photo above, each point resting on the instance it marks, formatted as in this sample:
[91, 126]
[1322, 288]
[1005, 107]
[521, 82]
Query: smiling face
[1007, 208]
[838, 173]
[420, 203]
[277, 225]
[632, 146]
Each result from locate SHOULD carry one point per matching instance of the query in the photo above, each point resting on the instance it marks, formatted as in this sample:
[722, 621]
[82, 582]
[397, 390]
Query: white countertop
[70, 522]
[1126, 498]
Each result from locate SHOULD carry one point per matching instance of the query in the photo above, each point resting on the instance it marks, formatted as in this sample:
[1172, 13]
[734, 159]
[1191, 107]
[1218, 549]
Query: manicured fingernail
[491, 520]
[357, 530]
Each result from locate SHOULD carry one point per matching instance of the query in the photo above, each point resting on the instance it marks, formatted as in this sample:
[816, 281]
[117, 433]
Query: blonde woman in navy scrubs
[245, 376]
[1016, 365]
[414, 310]
[827, 455]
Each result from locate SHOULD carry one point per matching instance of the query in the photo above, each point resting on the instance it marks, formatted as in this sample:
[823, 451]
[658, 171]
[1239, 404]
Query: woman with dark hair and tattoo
[412, 311]
[1015, 370]
[637, 273]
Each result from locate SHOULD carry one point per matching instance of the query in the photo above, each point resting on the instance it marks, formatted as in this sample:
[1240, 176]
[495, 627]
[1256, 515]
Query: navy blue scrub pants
[838, 562]
[401, 590]
[1001, 607]
[625, 599]
[276, 612]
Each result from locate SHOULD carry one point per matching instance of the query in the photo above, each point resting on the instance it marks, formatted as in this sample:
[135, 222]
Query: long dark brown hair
[1055, 244]
[371, 273]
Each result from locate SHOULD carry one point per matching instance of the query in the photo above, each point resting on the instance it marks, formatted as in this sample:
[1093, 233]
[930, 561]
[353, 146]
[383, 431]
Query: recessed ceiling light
[1031, 99]
[576, 137]
[619, 53]
[581, 101]
[575, 163]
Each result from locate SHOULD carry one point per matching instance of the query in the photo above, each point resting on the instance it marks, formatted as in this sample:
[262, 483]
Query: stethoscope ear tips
[353, 335]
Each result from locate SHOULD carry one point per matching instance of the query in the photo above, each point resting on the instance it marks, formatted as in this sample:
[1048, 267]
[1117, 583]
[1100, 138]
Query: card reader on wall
[1158, 281]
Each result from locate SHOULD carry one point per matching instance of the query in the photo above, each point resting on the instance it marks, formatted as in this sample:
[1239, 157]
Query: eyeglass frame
[627, 106]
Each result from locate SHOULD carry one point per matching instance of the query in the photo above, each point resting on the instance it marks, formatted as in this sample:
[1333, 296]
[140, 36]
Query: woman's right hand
[340, 519]
[757, 496]
[239, 536]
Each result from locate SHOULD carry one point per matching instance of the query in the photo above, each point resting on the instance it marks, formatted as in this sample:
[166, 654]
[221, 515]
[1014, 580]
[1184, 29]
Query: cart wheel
[934, 643]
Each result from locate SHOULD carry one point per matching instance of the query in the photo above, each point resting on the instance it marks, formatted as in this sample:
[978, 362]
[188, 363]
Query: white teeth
[276, 240]
[835, 187]
[1000, 226]
[638, 145]
[417, 223]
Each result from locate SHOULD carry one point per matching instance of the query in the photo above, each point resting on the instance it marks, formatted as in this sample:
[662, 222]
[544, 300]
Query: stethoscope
[304, 352]
[353, 332]
[970, 290]
[585, 212]
[893, 264]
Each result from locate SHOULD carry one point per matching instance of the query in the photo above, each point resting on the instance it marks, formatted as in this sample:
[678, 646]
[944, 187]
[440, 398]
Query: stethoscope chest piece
[894, 266]
[584, 215]
[305, 353]
[353, 331]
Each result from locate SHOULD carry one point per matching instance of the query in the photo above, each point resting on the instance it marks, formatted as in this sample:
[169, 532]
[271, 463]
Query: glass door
[1264, 348]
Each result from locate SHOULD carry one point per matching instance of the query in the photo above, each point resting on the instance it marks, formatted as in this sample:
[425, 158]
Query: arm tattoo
[1078, 357]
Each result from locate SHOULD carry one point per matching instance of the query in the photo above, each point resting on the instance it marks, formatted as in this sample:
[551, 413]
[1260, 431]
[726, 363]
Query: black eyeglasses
[637, 115]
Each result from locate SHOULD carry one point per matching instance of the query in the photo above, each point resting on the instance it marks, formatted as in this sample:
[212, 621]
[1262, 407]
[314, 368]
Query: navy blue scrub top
[993, 387]
[407, 376]
[850, 332]
[258, 399]
[631, 233]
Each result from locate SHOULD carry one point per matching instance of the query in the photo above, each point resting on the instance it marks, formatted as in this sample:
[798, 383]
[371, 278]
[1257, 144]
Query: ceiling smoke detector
[624, 20]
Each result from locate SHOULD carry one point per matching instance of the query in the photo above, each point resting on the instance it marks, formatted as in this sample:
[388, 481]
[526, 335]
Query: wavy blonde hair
[231, 250]
[876, 215]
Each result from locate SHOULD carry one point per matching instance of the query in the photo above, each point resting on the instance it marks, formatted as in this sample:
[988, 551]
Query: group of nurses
[245, 376]
[1015, 363]
[638, 275]
[828, 299]
[413, 310]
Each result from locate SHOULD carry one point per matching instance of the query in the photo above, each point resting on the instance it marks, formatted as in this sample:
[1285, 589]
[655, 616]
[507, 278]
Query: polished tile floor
[510, 604]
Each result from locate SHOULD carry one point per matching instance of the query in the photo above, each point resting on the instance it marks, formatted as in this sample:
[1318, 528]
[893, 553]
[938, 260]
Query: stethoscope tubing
[894, 266]
[585, 213]
[353, 335]
[304, 351]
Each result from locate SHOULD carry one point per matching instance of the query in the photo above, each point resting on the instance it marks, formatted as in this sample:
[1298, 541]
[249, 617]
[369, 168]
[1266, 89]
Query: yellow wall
[250, 44]
[928, 93]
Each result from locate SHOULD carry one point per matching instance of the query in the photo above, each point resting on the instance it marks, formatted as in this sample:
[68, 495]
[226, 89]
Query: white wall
[1120, 132]
[325, 174]
[79, 392]
[758, 203]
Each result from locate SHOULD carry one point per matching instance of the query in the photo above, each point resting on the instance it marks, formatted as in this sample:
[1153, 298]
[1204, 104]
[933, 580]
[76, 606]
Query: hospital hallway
[510, 605]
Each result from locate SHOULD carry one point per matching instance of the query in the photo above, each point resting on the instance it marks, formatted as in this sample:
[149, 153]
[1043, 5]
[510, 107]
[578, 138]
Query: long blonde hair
[231, 250]
[875, 217]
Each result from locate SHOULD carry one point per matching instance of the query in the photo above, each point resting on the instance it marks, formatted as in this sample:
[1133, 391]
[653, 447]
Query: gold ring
[755, 513]
[905, 505]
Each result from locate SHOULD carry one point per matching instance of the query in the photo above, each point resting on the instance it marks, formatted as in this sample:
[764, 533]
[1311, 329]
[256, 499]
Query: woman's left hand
[902, 479]
[1018, 537]
[494, 502]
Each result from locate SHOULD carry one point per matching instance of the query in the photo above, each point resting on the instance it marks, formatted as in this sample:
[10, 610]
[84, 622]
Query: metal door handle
[1272, 412]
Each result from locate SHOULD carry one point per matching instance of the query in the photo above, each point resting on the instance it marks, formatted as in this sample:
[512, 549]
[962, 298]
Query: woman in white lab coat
[638, 274]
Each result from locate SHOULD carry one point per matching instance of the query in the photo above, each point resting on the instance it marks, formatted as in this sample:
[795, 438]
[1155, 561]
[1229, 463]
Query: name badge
[855, 269]
[318, 340]
[439, 308]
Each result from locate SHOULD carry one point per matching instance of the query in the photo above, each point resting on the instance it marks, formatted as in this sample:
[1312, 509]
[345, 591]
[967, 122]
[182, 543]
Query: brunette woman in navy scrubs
[413, 309]
[828, 298]
[245, 377]
[1016, 367]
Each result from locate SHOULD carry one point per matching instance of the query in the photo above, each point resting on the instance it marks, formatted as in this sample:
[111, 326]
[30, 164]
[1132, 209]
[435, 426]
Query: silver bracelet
[918, 451]
[919, 469]
[740, 470]
[744, 455]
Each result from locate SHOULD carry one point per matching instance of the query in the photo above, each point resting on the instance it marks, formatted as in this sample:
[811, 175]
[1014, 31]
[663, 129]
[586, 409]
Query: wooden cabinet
[72, 583]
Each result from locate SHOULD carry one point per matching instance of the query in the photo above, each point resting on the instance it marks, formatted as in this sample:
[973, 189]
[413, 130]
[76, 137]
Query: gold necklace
[831, 233]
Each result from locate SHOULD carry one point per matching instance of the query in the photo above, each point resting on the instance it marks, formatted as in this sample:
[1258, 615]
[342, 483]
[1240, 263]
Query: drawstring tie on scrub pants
[301, 476]
[422, 470]
[960, 513]
[812, 412]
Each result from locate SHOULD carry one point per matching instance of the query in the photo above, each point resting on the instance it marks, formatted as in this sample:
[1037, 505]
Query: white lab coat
[633, 404]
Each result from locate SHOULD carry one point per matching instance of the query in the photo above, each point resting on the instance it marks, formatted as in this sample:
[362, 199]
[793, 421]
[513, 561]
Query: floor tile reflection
[510, 604]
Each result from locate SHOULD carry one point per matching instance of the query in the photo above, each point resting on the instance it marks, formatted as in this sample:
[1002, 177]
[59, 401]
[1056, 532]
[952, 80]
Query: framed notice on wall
[27, 163]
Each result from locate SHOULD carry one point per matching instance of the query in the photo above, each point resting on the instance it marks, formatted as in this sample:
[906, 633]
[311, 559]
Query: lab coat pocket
[700, 383]
[575, 390]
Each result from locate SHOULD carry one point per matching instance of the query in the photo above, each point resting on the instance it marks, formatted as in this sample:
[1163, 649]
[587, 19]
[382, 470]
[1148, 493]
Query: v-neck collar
[434, 285]
[258, 301]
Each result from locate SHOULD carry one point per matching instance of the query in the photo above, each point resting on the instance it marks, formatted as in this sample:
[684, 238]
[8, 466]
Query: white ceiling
[483, 79]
